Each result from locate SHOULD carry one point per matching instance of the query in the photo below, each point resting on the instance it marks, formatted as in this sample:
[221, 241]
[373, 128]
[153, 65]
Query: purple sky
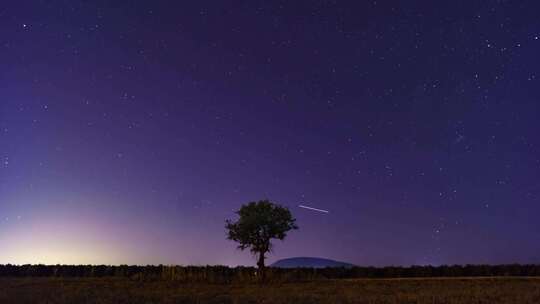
[130, 130]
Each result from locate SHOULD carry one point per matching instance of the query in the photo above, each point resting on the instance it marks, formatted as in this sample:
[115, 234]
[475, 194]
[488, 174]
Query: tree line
[224, 274]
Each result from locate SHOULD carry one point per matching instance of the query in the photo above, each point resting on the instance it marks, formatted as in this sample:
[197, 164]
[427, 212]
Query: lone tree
[260, 222]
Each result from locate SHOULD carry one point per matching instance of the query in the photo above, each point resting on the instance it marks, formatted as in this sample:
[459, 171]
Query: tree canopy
[259, 223]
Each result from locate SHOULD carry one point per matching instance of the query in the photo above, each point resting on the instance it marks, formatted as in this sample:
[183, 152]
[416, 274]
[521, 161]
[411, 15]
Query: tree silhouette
[260, 222]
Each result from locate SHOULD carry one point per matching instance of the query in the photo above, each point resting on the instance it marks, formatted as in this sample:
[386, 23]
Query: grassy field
[372, 291]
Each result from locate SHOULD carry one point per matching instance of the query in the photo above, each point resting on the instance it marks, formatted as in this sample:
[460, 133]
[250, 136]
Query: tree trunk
[260, 264]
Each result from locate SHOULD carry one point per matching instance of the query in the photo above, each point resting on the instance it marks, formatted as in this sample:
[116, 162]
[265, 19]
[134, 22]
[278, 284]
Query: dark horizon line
[269, 266]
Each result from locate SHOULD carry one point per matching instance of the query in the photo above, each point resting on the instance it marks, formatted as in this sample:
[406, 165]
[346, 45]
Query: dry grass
[372, 291]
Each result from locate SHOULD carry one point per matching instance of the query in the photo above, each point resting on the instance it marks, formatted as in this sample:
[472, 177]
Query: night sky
[130, 130]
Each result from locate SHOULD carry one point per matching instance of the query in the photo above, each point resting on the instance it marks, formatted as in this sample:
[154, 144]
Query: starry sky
[130, 130]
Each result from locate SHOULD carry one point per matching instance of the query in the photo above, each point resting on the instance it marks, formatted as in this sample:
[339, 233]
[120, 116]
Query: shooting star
[314, 209]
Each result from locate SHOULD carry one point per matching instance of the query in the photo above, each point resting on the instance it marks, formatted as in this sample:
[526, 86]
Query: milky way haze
[130, 130]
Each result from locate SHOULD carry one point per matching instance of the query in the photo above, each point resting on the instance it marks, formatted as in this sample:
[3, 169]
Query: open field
[491, 290]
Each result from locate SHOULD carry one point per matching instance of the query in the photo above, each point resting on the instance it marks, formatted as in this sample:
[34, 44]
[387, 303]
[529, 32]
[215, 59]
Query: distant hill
[308, 262]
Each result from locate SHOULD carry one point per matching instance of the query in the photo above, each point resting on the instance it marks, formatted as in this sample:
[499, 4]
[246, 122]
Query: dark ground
[372, 291]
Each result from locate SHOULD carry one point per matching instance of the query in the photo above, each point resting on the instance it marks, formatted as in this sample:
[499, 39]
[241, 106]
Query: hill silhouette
[309, 262]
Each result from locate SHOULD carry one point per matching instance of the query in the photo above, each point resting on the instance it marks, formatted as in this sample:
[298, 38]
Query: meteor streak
[314, 209]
